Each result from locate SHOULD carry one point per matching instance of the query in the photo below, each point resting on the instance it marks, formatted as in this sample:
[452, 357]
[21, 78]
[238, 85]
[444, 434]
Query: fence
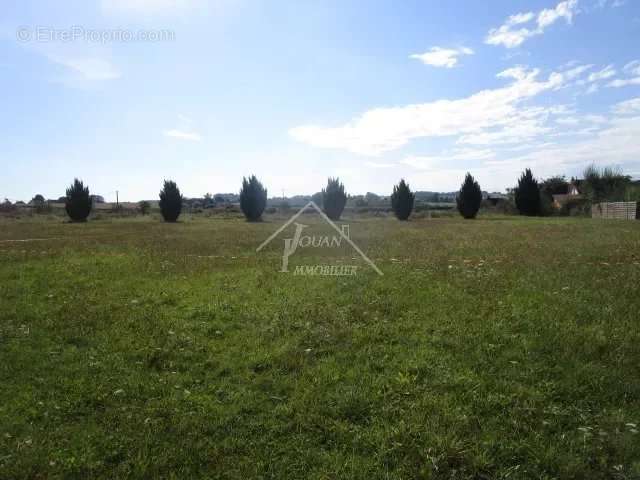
[616, 210]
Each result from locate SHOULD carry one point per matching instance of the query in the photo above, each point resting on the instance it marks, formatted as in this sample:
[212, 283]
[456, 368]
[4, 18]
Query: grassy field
[496, 348]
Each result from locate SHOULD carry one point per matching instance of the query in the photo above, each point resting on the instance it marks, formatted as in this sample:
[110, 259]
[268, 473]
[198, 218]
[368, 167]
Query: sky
[126, 93]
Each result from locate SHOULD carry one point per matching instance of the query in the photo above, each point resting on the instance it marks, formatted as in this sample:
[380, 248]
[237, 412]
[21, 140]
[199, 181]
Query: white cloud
[436, 161]
[568, 120]
[633, 67]
[628, 107]
[520, 18]
[523, 130]
[379, 165]
[529, 146]
[90, 69]
[514, 32]
[594, 118]
[603, 74]
[184, 131]
[623, 82]
[565, 10]
[421, 162]
[79, 64]
[618, 3]
[611, 3]
[442, 57]
[593, 88]
[577, 120]
[518, 73]
[615, 144]
[383, 129]
[183, 135]
[594, 78]
[499, 131]
[471, 154]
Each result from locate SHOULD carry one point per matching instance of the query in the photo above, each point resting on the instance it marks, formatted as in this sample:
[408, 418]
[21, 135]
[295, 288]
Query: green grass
[496, 348]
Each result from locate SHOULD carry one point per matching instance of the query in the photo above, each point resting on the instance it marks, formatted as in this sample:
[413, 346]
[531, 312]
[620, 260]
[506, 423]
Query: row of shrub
[253, 200]
[530, 196]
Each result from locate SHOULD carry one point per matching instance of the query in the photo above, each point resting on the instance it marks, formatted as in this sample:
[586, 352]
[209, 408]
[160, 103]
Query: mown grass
[495, 348]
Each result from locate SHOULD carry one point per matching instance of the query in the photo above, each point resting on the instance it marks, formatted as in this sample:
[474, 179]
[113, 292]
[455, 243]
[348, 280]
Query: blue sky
[295, 91]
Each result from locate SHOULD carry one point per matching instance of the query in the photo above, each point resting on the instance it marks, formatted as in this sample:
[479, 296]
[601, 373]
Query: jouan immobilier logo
[300, 239]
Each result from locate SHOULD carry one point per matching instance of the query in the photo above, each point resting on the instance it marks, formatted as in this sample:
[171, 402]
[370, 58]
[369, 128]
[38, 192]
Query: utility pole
[117, 200]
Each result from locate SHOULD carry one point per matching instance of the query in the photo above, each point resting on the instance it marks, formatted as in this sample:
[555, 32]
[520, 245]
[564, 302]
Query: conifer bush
[527, 195]
[170, 201]
[317, 199]
[469, 197]
[334, 199]
[144, 207]
[253, 198]
[402, 200]
[78, 201]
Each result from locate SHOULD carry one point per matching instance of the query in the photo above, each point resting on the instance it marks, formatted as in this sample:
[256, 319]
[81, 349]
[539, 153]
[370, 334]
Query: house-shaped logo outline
[313, 205]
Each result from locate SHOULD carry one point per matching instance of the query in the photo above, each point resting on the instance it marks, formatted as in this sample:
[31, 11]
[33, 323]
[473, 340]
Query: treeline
[332, 199]
[557, 195]
[529, 197]
[253, 200]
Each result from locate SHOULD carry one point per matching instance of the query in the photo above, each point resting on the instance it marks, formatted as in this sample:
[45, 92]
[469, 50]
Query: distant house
[561, 199]
[226, 198]
[573, 193]
[495, 198]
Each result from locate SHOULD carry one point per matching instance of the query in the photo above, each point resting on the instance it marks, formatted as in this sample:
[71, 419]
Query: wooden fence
[616, 210]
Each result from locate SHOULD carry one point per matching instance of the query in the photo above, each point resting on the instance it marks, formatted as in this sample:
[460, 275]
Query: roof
[563, 197]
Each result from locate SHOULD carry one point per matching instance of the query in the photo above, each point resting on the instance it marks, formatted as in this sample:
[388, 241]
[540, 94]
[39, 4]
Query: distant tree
[317, 199]
[334, 199]
[607, 184]
[170, 201]
[402, 200]
[469, 197]
[7, 206]
[78, 201]
[632, 193]
[218, 198]
[285, 205]
[37, 200]
[372, 199]
[40, 204]
[360, 201]
[145, 207]
[208, 201]
[556, 185]
[253, 198]
[527, 195]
